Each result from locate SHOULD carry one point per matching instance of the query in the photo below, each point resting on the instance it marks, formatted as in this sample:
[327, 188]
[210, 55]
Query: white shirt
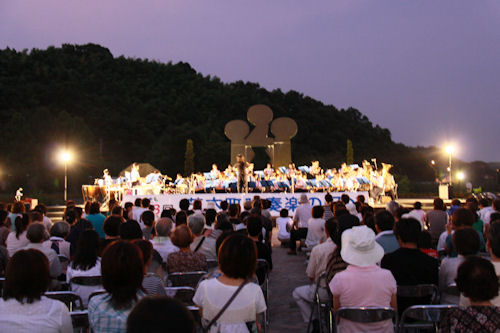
[84, 291]
[164, 246]
[302, 214]
[315, 231]
[351, 207]
[487, 215]
[442, 241]
[282, 222]
[136, 214]
[211, 295]
[207, 248]
[43, 316]
[484, 213]
[47, 222]
[419, 215]
[14, 244]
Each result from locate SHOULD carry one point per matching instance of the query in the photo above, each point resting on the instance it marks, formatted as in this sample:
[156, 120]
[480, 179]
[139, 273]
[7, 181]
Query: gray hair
[60, 229]
[393, 207]
[196, 223]
[164, 226]
[36, 233]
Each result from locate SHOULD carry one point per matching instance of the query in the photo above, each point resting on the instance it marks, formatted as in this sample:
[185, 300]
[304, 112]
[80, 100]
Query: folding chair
[88, 281]
[195, 311]
[80, 320]
[427, 316]
[420, 290]
[453, 290]
[182, 294]
[211, 264]
[263, 267]
[324, 307]
[182, 279]
[366, 314]
[72, 300]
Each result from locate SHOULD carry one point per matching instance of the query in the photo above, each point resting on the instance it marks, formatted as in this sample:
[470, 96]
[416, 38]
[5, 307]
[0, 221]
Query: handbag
[229, 301]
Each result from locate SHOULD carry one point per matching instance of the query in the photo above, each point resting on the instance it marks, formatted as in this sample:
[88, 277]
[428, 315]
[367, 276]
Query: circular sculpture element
[283, 128]
[236, 130]
[259, 114]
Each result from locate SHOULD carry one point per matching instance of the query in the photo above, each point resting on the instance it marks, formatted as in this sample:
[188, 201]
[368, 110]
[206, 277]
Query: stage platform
[279, 200]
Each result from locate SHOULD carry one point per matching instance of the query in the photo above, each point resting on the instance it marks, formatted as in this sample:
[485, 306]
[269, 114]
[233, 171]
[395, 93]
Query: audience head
[407, 230]
[145, 203]
[148, 218]
[331, 226]
[439, 204]
[36, 233]
[70, 216]
[41, 208]
[496, 205]
[180, 218]
[484, 202]
[284, 212]
[225, 234]
[317, 212]
[60, 229]
[345, 222]
[247, 205]
[184, 204]
[137, 202]
[122, 272]
[3, 217]
[360, 198]
[328, 198]
[210, 215]
[238, 257]
[146, 250]
[130, 230]
[197, 205]
[266, 204]
[95, 208]
[339, 209]
[22, 222]
[254, 225]
[111, 226]
[18, 208]
[117, 211]
[224, 205]
[462, 218]
[160, 314]
[87, 250]
[345, 199]
[27, 276]
[359, 247]
[466, 241]
[86, 207]
[164, 227]
[182, 237]
[456, 202]
[234, 210]
[166, 213]
[196, 223]
[384, 220]
[417, 205]
[36, 217]
[477, 280]
[393, 207]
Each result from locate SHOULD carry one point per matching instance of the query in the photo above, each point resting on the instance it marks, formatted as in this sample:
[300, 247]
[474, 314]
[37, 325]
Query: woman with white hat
[363, 283]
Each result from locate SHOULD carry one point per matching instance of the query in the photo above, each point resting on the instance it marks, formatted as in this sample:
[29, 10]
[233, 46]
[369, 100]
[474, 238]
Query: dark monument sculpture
[242, 140]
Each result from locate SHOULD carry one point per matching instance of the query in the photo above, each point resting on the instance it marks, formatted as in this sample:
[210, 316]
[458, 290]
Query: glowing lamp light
[433, 162]
[65, 156]
[449, 149]
[460, 175]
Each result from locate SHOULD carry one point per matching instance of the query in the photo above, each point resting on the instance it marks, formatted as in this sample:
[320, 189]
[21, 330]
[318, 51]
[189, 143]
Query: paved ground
[288, 273]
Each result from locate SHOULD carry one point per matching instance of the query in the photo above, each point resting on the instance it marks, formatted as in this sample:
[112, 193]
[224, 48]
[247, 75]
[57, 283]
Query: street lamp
[460, 175]
[449, 150]
[65, 157]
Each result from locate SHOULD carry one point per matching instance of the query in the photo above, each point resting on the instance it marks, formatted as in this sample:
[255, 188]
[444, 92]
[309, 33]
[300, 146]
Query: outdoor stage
[279, 200]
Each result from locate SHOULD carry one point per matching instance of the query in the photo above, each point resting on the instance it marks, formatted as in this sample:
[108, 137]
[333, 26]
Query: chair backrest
[80, 320]
[212, 263]
[419, 290]
[72, 300]
[97, 292]
[182, 294]
[453, 290]
[189, 279]
[431, 315]
[366, 314]
[86, 280]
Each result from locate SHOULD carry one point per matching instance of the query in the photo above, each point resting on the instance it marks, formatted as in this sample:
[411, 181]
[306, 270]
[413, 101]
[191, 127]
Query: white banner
[289, 201]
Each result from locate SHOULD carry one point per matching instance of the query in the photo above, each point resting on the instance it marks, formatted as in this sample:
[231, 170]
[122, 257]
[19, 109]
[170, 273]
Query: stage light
[433, 162]
[460, 175]
[65, 157]
[449, 149]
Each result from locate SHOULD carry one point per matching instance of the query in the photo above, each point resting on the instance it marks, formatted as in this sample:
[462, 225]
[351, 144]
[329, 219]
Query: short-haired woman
[237, 261]
[22, 307]
[122, 273]
[477, 280]
[185, 260]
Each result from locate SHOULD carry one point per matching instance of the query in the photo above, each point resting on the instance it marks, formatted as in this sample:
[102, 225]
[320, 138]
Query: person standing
[241, 167]
[300, 219]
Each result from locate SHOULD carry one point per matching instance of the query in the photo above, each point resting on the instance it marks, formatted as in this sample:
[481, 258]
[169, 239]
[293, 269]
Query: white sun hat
[359, 247]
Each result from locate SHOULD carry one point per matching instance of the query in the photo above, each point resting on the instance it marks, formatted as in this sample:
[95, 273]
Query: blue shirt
[388, 241]
[97, 221]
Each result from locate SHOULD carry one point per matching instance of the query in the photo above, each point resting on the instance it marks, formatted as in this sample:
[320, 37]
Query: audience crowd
[122, 262]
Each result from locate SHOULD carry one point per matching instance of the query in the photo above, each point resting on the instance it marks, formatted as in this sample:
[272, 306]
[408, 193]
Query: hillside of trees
[114, 111]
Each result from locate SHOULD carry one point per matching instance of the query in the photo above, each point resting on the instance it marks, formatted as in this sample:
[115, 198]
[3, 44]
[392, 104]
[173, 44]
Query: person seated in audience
[384, 224]
[47, 222]
[111, 228]
[184, 260]
[363, 283]
[472, 205]
[160, 314]
[316, 227]
[180, 218]
[17, 239]
[37, 217]
[455, 204]
[466, 241]
[117, 211]
[36, 236]
[148, 219]
[17, 210]
[418, 213]
[477, 280]
[254, 229]
[130, 230]
[436, 220]
[304, 295]
[425, 244]
[423, 268]
[237, 262]
[284, 224]
[328, 214]
[4, 227]
[57, 241]
[122, 274]
[78, 225]
[493, 246]
[86, 262]
[462, 218]
[96, 218]
[162, 242]
[23, 308]
[152, 283]
[201, 243]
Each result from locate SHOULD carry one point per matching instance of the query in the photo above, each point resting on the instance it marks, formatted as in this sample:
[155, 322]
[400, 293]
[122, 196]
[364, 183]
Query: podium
[444, 191]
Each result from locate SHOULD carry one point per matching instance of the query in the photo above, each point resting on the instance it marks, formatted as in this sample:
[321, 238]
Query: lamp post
[65, 158]
[449, 150]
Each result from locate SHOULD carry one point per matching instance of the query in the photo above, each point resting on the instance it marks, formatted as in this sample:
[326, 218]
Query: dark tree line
[114, 111]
